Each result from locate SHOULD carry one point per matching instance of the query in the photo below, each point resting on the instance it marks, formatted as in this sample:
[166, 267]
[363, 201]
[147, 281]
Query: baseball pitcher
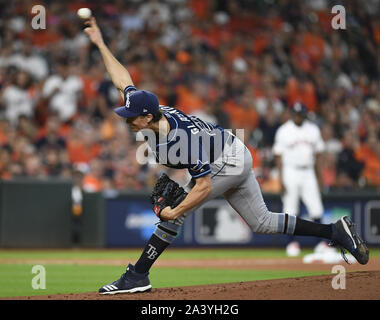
[220, 165]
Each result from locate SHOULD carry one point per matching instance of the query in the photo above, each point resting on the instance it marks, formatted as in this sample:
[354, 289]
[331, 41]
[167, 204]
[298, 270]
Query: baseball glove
[166, 192]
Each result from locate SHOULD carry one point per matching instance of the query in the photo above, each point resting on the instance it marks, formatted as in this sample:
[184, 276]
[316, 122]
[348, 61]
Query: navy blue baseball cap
[299, 108]
[138, 103]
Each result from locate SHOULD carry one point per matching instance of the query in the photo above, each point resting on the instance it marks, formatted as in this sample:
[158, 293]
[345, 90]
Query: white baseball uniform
[298, 146]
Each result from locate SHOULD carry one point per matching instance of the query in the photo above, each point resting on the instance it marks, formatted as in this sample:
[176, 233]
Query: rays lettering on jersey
[199, 125]
[195, 124]
[171, 110]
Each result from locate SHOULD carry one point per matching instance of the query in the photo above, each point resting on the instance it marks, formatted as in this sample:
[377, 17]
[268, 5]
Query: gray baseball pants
[233, 178]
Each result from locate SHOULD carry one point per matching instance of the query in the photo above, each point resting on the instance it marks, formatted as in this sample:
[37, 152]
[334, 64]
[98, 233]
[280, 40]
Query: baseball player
[220, 165]
[298, 147]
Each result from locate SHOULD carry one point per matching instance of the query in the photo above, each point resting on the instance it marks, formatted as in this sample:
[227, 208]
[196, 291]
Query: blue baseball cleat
[344, 236]
[129, 282]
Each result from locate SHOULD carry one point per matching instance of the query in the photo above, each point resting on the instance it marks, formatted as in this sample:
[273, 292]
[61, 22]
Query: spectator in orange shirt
[329, 171]
[5, 126]
[92, 181]
[372, 167]
[45, 38]
[301, 59]
[242, 111]
[82, 146]
[300, 89]
[369, 153]
[188, 100]
[200, 8]
[314, 44]
[5, 162]
[91, 81]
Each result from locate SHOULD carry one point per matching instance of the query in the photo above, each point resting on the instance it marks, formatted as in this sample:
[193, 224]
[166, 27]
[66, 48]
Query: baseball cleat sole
[134, 290]
[360, 252]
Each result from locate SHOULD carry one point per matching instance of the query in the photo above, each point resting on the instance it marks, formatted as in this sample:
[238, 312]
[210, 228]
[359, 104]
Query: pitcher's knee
[267, 223]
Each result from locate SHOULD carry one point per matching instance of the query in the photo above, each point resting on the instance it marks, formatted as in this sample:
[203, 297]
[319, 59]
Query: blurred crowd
[240, 64]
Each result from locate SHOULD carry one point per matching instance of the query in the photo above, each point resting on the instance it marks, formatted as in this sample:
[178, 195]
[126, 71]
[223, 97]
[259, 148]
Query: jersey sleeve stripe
[126, 90]
[202, 174]
[129, 88]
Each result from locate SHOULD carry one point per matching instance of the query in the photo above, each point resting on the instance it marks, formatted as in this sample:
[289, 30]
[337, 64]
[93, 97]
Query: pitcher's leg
[248, 201]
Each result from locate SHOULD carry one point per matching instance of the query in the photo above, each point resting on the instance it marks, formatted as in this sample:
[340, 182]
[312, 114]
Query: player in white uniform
[298, 147]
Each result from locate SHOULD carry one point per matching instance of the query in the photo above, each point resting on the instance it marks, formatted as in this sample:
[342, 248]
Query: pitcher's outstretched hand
[93, 32]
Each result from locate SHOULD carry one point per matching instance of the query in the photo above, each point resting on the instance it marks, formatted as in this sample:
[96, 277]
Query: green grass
[16, 280]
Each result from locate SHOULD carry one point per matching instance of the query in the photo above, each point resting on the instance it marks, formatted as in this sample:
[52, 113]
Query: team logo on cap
[127, 102]
[297, 107]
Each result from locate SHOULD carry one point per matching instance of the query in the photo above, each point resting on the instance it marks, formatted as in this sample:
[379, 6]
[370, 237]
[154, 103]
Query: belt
[302, 167]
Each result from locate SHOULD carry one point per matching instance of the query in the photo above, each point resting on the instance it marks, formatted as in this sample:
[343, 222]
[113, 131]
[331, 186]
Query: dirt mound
[359, 286]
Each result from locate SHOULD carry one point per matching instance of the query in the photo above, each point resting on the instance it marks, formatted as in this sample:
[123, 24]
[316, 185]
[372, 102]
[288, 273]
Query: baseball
[84, 13]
